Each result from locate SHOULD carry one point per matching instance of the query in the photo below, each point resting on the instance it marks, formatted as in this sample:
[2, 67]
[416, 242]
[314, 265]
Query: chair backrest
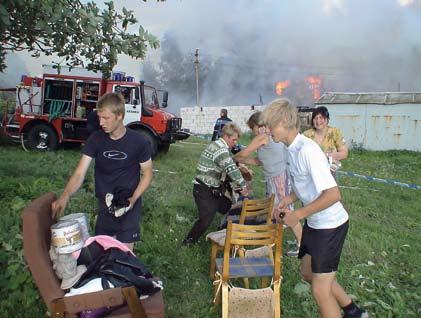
[253, 235]
[37, 220]
[253, 208]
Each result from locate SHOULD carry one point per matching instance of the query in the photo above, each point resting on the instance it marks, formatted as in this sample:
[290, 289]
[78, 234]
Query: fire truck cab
[54, 109]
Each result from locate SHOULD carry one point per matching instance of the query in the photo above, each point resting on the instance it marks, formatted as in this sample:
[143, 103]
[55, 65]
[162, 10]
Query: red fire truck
[54, 109]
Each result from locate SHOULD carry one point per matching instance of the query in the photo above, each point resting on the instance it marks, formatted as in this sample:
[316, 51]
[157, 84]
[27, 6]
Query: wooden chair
[37, 221]
[251, 209]
[231, 268]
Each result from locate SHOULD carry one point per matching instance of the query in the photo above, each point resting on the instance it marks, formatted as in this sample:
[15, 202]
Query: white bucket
[82, 218]
[66, 237]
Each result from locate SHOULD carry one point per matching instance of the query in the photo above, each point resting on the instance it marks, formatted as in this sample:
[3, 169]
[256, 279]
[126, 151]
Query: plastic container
[83, 220]
[66, 237]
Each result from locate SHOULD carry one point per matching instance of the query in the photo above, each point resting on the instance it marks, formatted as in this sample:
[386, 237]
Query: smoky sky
[246, 46]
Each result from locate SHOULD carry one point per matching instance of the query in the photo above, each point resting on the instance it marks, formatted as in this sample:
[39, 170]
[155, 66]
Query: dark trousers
[208, 202]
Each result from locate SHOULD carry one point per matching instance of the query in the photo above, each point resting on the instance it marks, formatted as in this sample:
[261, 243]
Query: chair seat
[264, 251]
[247, 267]
[217, 237]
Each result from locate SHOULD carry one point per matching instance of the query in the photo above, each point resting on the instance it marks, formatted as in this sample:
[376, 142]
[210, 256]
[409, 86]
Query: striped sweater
[214, 161]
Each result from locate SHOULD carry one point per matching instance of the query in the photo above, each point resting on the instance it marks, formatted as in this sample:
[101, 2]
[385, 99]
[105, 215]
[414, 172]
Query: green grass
[380, 265]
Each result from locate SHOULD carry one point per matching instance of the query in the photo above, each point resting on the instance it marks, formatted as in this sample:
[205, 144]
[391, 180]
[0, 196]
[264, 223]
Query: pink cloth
[106, 242]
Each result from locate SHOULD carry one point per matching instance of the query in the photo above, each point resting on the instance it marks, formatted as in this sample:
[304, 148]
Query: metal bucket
[82, 218]
[66, 237]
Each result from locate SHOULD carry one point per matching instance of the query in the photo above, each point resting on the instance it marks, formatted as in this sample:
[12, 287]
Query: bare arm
[146, 179]
[342, 153]
[257, 142]
[325, 200]
[72, 186]
[340, 146]
[285, 202]
[250, 161]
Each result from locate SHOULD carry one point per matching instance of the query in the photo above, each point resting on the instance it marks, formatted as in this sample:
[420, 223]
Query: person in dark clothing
[220, 123]
[208, 192]
[120, 155]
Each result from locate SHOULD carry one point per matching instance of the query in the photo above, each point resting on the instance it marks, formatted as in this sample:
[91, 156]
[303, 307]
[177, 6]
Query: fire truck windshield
[151, 99]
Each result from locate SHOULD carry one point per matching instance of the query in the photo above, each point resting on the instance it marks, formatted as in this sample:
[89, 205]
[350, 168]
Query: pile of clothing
[103, 263]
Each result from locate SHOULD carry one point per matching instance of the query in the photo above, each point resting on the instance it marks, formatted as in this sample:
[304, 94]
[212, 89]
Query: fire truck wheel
[152, 141]
[42, 137]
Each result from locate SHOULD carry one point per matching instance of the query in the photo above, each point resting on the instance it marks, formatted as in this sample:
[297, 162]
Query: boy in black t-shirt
[120, 153]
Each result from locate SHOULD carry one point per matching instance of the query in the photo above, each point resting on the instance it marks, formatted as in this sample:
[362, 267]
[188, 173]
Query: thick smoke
[246, 46]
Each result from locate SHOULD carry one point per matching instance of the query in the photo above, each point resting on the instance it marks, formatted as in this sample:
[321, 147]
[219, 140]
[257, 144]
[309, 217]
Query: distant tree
[81, 33]
[176, 70]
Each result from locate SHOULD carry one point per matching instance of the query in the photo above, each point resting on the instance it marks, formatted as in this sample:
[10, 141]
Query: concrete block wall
[200, 120]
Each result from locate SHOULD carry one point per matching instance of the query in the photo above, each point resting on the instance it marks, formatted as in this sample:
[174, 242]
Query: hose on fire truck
[57, 108]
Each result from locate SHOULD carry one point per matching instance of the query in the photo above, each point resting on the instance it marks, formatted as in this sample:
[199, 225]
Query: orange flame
[315, 85]
[280, 86]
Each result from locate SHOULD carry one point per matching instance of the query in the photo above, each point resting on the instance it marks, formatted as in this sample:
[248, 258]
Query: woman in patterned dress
[329, 138]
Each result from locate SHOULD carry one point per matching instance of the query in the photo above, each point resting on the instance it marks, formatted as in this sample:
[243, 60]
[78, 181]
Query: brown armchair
[37, 220]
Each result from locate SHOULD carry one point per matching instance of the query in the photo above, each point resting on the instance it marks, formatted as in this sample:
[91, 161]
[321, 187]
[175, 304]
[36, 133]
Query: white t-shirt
[310, 175]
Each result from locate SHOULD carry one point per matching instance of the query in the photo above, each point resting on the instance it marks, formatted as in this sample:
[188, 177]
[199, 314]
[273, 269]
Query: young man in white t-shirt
[326, 222]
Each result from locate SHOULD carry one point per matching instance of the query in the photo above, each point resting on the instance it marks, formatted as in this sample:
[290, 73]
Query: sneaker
[188, 242]
[362, 314]
[293, 253]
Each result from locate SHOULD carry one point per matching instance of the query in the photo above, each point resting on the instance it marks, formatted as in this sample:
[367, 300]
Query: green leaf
[7, 246]
[18, 204]
[384, 305]
[124, 24]
[4, 15]
[41, 24]
[302, 289]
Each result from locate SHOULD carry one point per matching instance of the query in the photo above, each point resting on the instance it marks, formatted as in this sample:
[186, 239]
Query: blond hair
[231, 129]
[281, 110]
[113, 101]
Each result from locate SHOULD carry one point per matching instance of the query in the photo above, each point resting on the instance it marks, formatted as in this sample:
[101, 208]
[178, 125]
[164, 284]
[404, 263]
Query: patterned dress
[332, 141]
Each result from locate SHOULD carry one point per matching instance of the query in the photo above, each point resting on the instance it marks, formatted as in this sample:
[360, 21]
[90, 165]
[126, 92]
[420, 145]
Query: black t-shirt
[116, 161]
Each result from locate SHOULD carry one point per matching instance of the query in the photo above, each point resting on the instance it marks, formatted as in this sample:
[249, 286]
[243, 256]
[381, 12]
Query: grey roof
[388, 98]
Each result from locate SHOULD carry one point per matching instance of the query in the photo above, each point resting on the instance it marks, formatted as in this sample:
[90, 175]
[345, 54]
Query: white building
[376, 121]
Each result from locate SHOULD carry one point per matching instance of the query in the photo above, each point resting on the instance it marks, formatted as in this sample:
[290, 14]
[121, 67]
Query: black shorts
[324, 246]
[125, 228]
